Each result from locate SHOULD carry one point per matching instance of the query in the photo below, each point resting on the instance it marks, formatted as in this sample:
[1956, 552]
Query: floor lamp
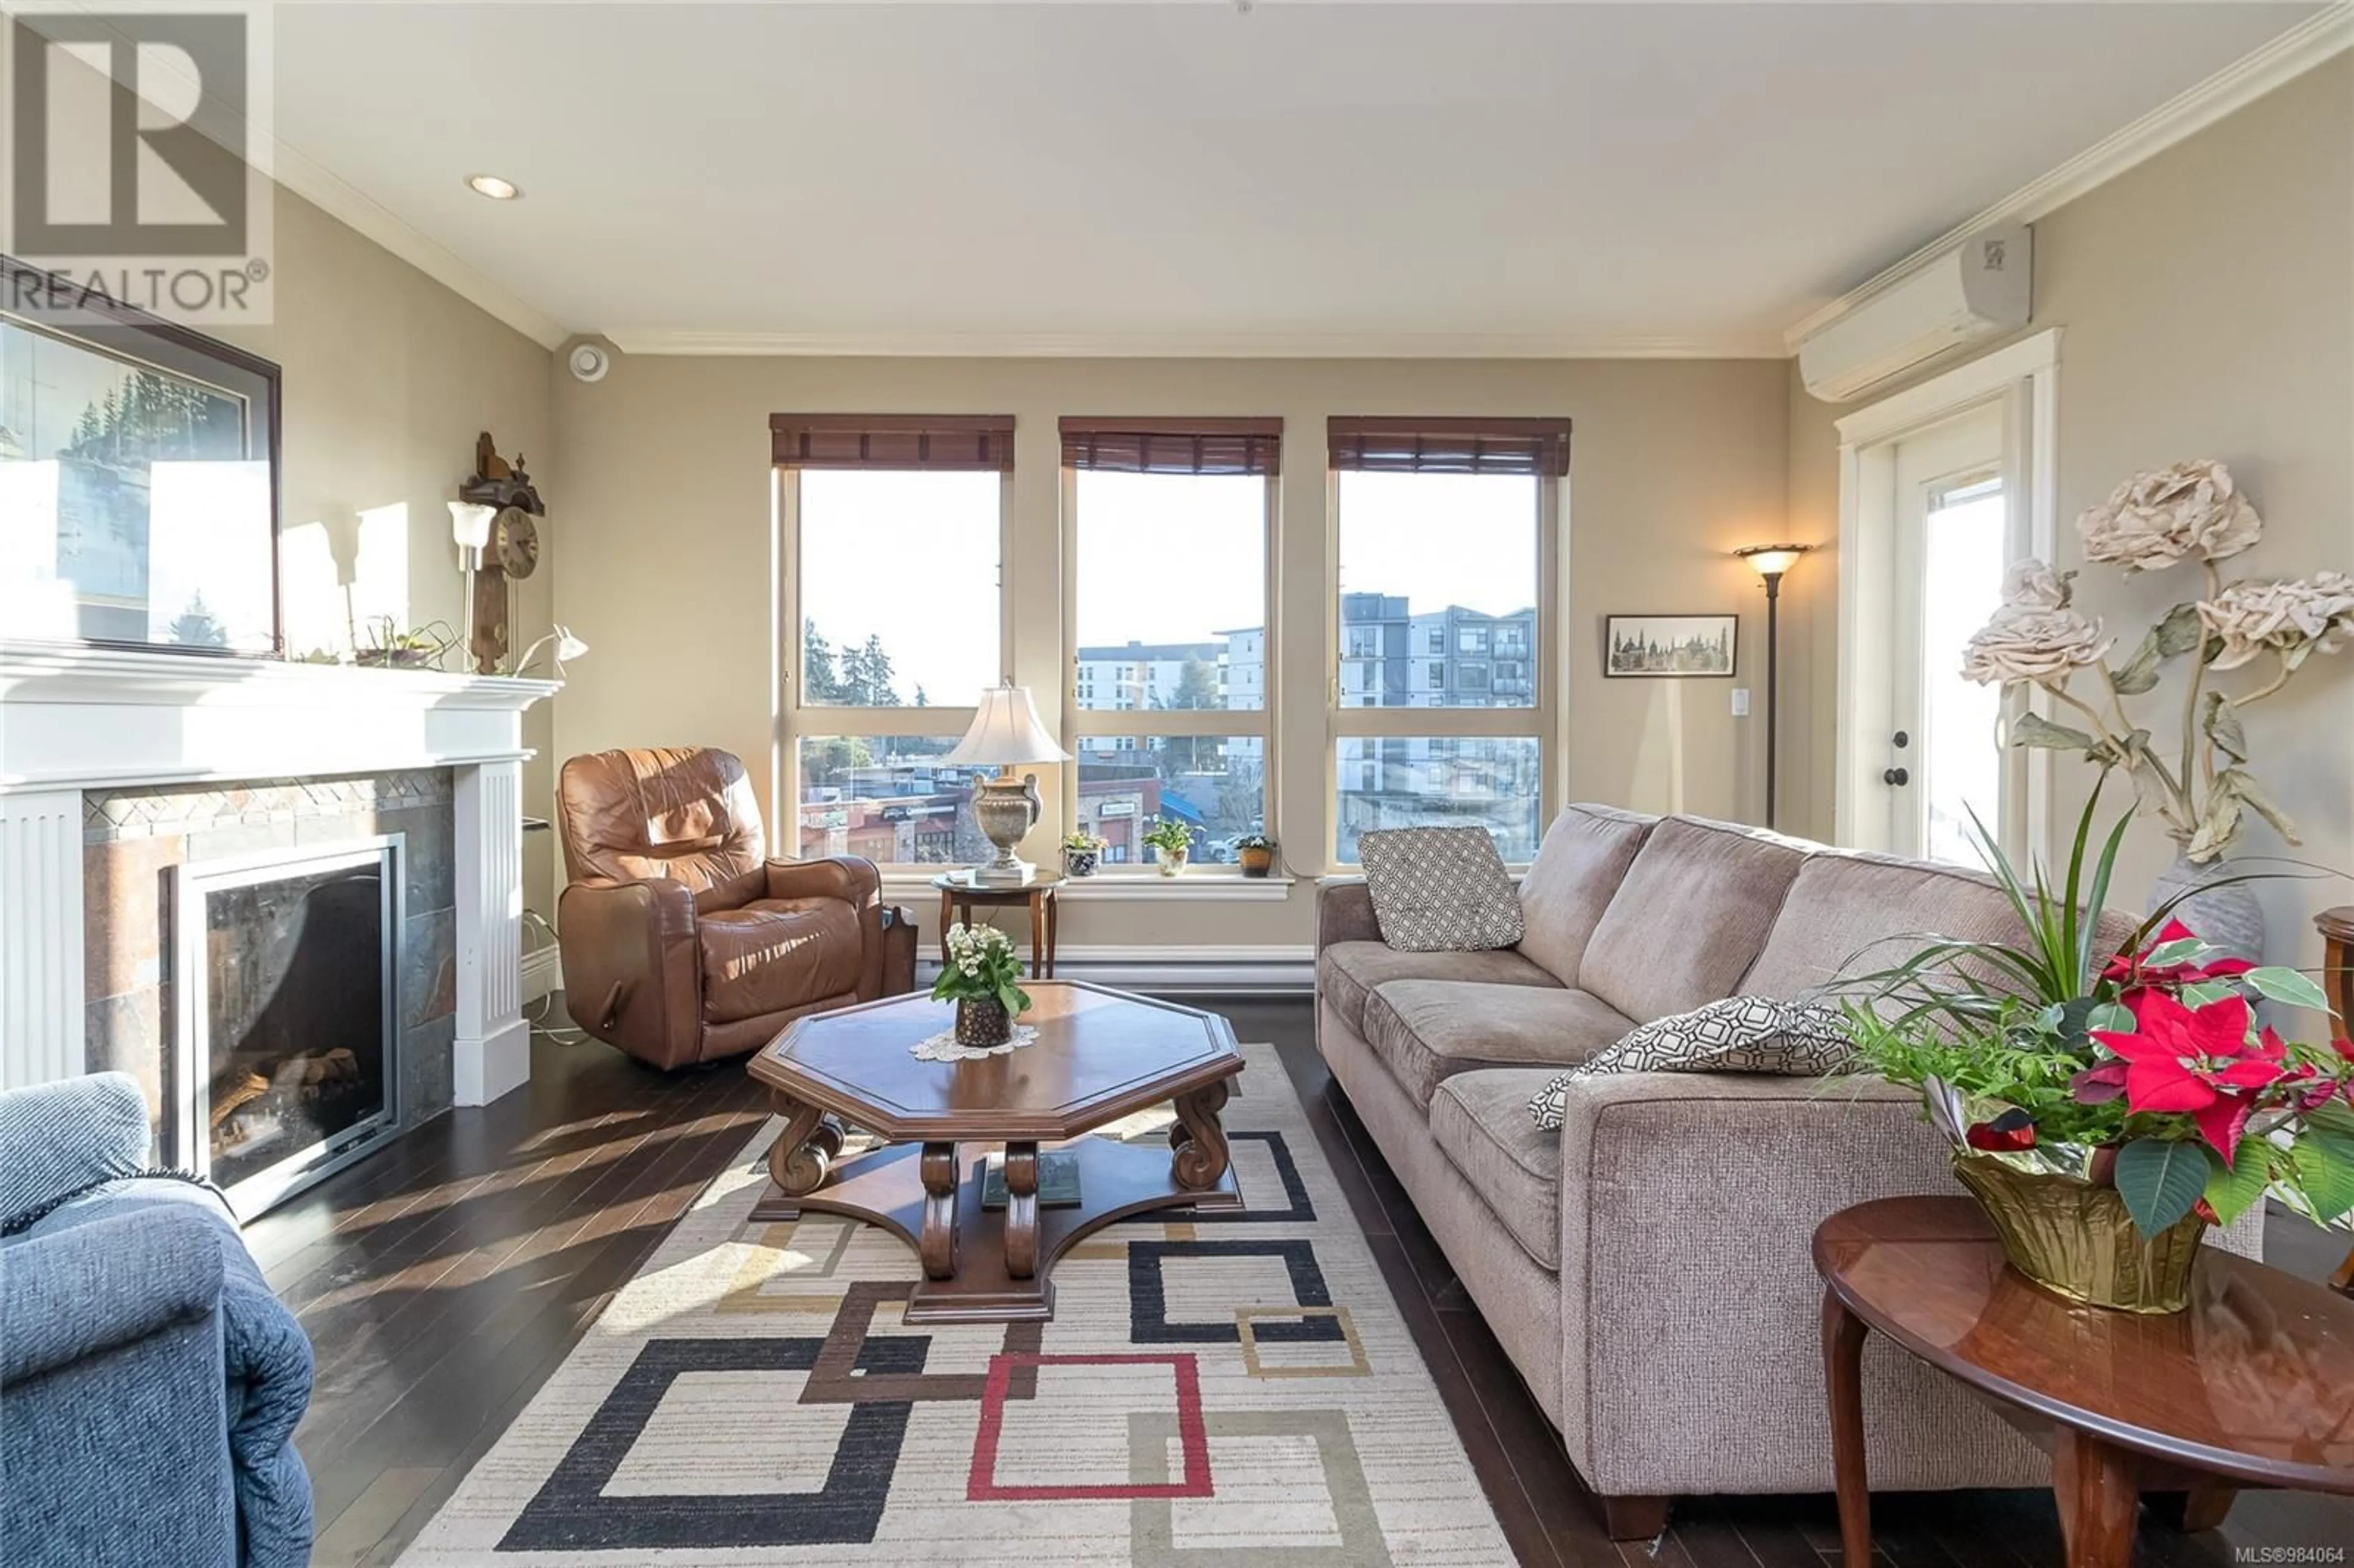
[1769, 562]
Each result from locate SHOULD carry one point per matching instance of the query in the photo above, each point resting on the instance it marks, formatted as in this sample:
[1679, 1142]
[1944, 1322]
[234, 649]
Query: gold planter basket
[2079, 1241]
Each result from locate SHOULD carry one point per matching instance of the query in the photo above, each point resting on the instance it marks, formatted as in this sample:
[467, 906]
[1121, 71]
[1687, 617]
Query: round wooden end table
[2251, 1385]
[960, 894]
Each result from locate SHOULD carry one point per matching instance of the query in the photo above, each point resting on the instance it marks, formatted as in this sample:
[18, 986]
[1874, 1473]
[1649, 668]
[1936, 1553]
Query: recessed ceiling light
[493, 187]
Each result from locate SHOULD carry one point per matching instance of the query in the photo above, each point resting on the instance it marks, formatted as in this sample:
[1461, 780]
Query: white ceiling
[1586, 175]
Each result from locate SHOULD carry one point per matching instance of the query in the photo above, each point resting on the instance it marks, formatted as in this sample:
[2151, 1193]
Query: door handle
[1895, 776]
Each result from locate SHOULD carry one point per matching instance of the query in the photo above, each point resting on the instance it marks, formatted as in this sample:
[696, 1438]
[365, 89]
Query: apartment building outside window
[1447, 551]
[882, 680]
[1167, 530]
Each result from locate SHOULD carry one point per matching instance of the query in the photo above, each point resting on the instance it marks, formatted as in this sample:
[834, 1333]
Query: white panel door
[1953, 505]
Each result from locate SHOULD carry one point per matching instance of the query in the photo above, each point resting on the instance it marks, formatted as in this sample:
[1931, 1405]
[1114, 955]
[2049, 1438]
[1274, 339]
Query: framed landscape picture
[1652, 646]
[139, 471]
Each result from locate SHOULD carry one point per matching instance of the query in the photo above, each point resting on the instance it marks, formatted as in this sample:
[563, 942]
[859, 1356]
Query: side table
[959, 895]
[2246, 1386]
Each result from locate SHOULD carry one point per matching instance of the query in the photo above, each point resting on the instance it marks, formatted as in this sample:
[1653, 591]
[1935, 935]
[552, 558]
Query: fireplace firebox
[286, 1014]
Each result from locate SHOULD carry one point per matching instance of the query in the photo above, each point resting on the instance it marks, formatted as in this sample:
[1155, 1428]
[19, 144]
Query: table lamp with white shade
[1005, 731]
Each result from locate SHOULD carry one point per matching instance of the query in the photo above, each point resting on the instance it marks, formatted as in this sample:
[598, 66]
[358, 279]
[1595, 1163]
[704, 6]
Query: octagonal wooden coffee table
[1100, 1054]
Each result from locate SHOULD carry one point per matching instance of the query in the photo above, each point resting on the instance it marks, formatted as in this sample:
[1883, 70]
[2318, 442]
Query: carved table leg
[937, 1244]
[2203, 1507]
[1200, 1143]
[1843, 1334]
[804, 1152]
[1022, 1209]
[2094, 1482]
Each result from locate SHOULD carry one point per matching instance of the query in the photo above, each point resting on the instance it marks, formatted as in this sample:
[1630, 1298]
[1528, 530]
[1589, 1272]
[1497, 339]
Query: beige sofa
[1647, 1267]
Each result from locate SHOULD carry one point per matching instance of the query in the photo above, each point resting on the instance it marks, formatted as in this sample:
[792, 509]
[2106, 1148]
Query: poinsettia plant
[2142, 1065]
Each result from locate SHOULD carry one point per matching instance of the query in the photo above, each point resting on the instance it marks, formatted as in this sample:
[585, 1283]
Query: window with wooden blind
[891, 530]
[1167, 534]
[1445, 656]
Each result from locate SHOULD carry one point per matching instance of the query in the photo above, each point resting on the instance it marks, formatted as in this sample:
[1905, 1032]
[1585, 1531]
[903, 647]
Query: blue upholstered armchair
[149, 1381]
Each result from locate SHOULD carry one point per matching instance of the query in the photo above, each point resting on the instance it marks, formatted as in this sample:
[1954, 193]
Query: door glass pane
[1439, 591]
[1962, 562]
[1445, 781]
[1215, 784]
[1154, 634]
[898, 586]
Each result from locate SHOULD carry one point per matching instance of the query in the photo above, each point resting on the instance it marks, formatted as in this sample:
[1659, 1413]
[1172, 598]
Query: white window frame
[1143, 724]
[1545, 718]
[2024, 379]
[797, 720]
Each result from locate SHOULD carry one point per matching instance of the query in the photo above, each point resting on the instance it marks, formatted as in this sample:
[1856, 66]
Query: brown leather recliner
[682, 942]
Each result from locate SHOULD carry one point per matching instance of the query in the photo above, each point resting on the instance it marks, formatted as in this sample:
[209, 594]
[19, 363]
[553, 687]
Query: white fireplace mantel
[75, 719]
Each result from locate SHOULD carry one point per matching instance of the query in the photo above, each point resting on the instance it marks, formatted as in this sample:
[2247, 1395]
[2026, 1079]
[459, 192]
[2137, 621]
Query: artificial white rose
[2043, 645]
[2253, 617]
[2155, 519]
[2031, 585]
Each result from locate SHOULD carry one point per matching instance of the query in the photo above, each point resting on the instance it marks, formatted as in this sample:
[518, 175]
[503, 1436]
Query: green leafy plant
[2140, 1065]
[981, 967]
[1083, 843]
[1254, 841]
[1170, 836]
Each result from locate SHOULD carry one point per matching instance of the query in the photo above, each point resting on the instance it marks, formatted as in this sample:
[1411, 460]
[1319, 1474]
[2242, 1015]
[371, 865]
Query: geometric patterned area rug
[1225, 1390]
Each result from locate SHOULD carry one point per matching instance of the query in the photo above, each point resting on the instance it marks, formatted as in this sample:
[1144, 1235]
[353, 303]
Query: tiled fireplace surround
[116, 765]
[132, 840]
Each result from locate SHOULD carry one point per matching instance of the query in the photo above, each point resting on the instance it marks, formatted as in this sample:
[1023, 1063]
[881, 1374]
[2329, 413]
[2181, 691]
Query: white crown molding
[2320, 37]
[1200, 345]
[298, 172]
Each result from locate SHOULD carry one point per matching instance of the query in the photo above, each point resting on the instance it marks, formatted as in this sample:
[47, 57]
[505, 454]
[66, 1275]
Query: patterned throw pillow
[1738, 1035]
[1439, 890]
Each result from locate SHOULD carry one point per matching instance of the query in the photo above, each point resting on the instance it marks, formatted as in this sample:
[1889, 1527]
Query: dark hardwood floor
[445, 1280]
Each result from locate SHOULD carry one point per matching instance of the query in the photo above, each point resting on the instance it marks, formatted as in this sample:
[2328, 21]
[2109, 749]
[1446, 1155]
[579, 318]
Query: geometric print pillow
[1439, 890]
[1737, 1035]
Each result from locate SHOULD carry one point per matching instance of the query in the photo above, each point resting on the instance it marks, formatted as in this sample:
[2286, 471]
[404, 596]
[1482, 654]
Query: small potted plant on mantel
[1173, 841]
[1257, 852]
[983, 977]
[2107, 1105]
[1082, 853]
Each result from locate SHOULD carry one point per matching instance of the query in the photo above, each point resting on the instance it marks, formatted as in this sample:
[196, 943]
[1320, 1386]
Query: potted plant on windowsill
[1082, 853]
[983, 977]
[1171, 841]
[1257, 853]
[2108, 1105]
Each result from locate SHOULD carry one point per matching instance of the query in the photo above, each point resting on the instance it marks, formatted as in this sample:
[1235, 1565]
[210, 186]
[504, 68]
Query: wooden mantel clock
[512, 553]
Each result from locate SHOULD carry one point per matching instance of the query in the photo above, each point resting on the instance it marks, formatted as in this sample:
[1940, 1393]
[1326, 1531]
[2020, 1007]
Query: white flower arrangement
[982, 967]
[2037, 638]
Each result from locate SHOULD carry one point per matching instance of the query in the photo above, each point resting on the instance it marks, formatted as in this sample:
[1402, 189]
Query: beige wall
[2207, 299]
[667, 518]
[388, 377]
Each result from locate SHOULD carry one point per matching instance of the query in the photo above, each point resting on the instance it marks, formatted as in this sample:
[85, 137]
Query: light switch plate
[1740, 702]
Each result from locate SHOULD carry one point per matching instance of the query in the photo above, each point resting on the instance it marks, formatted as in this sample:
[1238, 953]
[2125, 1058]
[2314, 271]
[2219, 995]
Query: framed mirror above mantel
[140, 472]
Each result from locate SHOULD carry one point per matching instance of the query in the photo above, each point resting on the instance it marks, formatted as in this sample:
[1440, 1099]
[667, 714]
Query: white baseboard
[1234, 970]
[1254, 970]
[543, 973]
[499, 1063]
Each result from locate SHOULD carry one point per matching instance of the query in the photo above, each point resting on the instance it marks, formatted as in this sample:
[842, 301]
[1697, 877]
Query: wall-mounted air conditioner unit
[1978, 290]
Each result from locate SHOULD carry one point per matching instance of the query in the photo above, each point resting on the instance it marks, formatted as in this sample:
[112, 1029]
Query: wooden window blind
[1387, 445]
[965, 441]
[1175, 445]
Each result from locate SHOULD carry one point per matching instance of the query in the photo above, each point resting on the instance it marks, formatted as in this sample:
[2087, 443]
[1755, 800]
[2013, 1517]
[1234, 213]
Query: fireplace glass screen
[293, 1017]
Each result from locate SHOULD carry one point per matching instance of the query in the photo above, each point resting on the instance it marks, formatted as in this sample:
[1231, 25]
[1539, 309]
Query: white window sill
[1105, 887]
